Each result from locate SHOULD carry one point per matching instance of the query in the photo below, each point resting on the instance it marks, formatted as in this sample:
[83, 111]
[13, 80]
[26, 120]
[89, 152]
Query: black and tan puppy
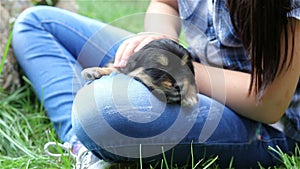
[163, 66]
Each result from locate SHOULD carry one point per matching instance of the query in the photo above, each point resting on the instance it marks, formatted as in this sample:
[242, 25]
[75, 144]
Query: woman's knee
[28, 20]
[110, 96]
[33, 13]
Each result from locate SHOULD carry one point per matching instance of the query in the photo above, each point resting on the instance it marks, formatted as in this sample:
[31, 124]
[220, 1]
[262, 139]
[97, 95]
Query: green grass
[127, 14]
[24, 127]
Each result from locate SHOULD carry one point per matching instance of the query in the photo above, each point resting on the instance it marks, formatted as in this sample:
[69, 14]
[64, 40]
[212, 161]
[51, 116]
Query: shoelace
[66, 147]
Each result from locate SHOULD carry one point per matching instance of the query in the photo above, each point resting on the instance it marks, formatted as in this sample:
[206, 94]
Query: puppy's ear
[185, 59]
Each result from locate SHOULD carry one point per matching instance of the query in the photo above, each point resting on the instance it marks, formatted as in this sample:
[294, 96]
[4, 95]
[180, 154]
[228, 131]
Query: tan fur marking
[163, 60]
[105, 70]
[184, 59]
[167, 83]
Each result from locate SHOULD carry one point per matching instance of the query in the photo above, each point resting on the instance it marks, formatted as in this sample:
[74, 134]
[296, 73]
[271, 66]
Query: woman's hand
[161, 21]
[134, 44]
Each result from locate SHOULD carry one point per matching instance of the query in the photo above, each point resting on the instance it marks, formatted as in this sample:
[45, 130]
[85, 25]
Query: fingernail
[116, 64]
[122, 63]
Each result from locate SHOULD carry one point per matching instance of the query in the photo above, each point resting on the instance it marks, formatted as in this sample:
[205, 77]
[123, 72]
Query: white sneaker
[84, 159]
[87, 160]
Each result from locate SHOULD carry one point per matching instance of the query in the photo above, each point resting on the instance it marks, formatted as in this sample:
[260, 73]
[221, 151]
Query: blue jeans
[116, 117]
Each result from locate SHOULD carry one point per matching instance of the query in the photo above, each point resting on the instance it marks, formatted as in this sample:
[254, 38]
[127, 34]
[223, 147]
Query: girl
[246, 67]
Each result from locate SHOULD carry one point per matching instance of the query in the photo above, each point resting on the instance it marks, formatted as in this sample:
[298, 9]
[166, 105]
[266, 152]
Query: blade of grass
[162, 164]
[141, 160]
[231, 162]
[172, 157]
[212, 161]
[192, 154]
[198, 163]
[27, 166]
[164, 158]
[5, 52]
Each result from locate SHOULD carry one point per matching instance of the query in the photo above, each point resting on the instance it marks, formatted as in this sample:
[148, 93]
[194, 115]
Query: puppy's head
[165, 67]
[169, 53]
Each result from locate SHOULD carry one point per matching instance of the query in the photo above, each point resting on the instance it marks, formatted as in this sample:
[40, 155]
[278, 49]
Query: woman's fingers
[145, 41]
[128, 51]
[132, 45]
[119, 53]
[125, 50]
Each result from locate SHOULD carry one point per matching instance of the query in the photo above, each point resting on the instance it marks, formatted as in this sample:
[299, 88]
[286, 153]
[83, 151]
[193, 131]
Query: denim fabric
[52, 46]
[116, 117]
[211, 36]
[296, 11]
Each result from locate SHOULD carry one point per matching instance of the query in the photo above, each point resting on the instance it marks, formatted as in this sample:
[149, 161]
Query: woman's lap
[116, 116]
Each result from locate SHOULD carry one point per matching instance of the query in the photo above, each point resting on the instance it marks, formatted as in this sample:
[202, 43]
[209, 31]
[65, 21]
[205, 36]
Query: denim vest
[212, 40]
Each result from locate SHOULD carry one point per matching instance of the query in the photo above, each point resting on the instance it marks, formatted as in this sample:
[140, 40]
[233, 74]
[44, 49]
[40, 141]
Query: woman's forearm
[162, 17]
[231, 88]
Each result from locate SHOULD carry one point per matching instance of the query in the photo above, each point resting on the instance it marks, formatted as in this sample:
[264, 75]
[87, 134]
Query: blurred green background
[127, 14]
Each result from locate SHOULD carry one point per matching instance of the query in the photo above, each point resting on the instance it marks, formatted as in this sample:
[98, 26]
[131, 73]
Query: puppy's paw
[91, 73]
[189, 101]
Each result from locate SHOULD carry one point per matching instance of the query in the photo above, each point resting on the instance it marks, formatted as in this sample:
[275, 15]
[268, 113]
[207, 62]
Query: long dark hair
[260, 25]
